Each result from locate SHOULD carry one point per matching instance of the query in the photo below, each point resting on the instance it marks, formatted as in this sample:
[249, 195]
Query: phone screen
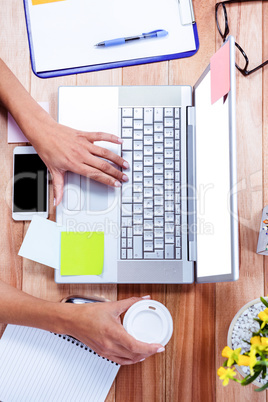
[30, 184]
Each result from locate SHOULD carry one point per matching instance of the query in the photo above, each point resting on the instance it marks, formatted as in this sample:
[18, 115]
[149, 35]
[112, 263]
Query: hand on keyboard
[63, 148]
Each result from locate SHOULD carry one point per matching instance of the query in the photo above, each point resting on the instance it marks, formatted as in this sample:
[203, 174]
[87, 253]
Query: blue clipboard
[103, 66]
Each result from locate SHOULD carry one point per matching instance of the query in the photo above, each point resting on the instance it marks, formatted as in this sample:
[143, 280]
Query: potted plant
[247, 349]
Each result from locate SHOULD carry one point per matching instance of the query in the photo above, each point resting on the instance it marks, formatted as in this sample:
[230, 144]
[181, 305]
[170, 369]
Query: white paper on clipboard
[64, 33]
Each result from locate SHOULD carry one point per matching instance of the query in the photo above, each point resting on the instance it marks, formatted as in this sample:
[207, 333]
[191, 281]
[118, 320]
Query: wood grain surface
[186, 371]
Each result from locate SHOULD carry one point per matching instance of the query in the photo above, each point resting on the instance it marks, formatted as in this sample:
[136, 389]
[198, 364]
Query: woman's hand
[98, 325]
[63, 148]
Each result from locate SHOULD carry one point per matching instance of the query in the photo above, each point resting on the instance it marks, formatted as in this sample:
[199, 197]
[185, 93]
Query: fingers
[106, 167]
[98, 160]
[58, 183]
[109, 155]
[100, 136]
[127, 347]
[134, 348]
[123, 305]
[99, 176]
[130, 350]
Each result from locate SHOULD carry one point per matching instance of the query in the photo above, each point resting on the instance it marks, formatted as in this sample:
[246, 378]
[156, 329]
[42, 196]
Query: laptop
[175, 220]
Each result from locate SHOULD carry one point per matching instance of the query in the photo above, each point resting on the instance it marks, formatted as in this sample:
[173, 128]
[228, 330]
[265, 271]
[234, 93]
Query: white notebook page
[39, 366]
[65, 33]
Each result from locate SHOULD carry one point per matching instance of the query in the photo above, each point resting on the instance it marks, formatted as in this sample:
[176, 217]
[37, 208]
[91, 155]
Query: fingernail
[120, 140]
[160, 350]
[146, 297]
[142, 360]
[126, 165]
[125, 178]
[117, 183]
[54, 202]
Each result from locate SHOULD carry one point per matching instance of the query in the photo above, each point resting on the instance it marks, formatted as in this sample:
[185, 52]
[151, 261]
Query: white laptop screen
[215, 177]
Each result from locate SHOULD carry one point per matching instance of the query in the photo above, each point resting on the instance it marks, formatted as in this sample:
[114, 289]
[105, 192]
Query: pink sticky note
[220, 72]
[14, 133]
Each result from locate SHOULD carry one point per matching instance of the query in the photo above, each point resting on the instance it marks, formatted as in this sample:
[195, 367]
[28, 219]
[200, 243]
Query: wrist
[56, 318]
[63, 318]
[37, 124]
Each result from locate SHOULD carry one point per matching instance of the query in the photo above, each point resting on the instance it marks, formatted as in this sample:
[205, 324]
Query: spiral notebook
[41, 366]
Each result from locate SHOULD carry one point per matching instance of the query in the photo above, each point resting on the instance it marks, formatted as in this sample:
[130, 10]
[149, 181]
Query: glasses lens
[221, 19]
[240, 58]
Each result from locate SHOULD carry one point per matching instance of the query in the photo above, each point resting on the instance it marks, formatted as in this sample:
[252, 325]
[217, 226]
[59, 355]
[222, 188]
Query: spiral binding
[82, 345]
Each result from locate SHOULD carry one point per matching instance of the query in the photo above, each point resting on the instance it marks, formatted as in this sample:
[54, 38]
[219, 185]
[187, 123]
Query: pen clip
[159, 33]
[152, 32]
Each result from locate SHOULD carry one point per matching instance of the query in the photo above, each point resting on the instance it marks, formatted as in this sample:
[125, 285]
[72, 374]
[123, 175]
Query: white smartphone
[30, 185]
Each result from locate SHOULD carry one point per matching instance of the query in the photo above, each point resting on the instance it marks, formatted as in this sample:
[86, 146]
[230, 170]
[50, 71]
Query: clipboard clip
[186, 12]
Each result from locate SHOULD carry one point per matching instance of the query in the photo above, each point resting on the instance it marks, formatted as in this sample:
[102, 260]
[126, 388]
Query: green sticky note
[82, 253]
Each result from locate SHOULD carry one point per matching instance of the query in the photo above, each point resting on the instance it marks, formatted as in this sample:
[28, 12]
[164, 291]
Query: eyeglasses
[223, 28]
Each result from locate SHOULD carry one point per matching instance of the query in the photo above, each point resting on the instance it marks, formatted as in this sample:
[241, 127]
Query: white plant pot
[231, 328]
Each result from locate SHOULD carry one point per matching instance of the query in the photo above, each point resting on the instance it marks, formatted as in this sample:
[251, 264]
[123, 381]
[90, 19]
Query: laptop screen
[216, 206]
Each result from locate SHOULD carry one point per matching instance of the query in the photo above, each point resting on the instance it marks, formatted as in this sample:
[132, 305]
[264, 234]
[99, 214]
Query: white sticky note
[42, 242]
[14, 133]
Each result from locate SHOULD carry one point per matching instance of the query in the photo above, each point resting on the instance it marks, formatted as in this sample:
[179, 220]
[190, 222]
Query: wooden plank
[187, 71]
[265, 125]
[180, 300]
[204, 338]
[192, 356]
[14, 52]
[145, 380]
[246, 25]
[265, 121]
[146, 74]
[105, 77]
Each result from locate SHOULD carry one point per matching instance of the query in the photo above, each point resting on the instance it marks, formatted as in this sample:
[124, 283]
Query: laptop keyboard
[150, 200]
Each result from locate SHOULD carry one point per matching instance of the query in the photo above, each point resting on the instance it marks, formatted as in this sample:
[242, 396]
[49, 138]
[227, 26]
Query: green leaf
[264, 302]
[263, 331]
[262, 388]
[261, 363]
[249, 379]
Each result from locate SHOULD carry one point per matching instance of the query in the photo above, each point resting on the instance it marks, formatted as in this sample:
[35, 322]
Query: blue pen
[159, 33]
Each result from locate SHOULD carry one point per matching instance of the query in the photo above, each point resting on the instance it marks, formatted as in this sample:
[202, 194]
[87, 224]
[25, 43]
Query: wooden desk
[201, 313]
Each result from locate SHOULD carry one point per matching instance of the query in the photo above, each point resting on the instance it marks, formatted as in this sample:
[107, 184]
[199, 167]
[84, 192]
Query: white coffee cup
[149, 321]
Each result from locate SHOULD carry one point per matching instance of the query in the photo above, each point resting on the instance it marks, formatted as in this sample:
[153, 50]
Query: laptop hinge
[191, 179]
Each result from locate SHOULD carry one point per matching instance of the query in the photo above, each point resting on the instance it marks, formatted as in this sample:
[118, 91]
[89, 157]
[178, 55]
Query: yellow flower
[243, 360]
[226, 375]
[263, 315]
[232, 355]
[264, 341]
[261, 343]
[255, 340]
[252, 356]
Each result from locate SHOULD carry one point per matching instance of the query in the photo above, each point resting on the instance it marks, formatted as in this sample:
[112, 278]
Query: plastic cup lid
[149, 321]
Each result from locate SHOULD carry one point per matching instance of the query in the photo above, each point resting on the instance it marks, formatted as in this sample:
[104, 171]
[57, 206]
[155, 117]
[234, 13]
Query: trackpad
[98, 196]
